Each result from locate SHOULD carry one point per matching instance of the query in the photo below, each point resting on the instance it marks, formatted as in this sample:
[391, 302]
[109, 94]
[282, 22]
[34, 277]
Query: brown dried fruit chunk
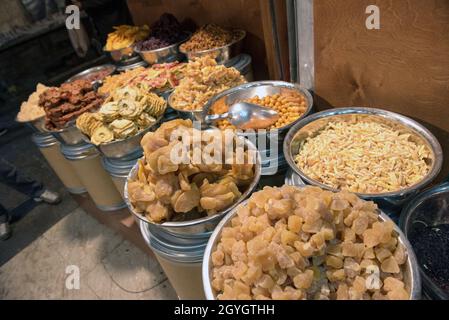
[303, 280]
[390, 265]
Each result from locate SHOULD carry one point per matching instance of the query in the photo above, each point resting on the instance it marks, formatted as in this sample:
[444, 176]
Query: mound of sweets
[65, 103]
[164, 32]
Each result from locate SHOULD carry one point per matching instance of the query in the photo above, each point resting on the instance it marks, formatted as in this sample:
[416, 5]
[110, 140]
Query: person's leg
[5, 231]
[12, 177]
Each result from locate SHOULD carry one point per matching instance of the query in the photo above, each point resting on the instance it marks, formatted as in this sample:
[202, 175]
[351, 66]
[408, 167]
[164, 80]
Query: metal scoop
[245, 115]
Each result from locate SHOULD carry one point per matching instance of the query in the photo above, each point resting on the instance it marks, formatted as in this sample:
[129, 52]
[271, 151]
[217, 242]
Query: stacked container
[86, 162]
[50, 148]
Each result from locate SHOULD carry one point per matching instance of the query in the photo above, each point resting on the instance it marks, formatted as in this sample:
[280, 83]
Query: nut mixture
[364, 157]
[210, 36]
[30, 109]
[289, 105]
[307, 243]
[65, 103]
[203, 78]
[126, 112]
[167, 191]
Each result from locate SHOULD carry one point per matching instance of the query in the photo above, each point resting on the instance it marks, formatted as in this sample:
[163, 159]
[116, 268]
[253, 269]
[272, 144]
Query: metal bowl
[221, 54]
[86, 73]
[261, 89]
[122, 55]
[37, 125]
[429, 208]
[310, 125]
[161, 55]
[411, 275]
[122, 148]
[69, 135]
[203, 224]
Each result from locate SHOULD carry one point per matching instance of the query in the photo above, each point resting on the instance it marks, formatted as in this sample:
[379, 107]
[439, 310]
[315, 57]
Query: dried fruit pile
[364, 156]
[307, 243]
[30, 109]
[203, 79]
[165, 190]
[126, 112]
[65, 103]
[164, 32]
[210, 36]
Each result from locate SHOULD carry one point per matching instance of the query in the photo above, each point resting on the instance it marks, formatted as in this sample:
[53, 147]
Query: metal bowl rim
[184, 224]
[118, 141]
[422, 131]
[273, 83]
[93, 69]
[242, 36]
[415, 281]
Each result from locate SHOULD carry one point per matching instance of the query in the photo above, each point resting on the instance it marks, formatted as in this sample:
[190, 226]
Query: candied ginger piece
[390, 265]
[398, 294]
[400, 254]
[382, 254]
[303, 280]
[391, 284]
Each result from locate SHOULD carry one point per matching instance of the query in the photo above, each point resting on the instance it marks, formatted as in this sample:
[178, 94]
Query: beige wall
[403, 67]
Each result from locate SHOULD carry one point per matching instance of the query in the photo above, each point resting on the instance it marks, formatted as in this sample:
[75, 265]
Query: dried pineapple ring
[123, 128]
[145, 120]
[129, 109]
[102, 135]
[109, 111]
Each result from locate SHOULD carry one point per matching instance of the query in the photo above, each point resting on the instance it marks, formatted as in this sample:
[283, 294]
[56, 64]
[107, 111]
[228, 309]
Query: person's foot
[5, 231]
[3, 132]
[48, 196]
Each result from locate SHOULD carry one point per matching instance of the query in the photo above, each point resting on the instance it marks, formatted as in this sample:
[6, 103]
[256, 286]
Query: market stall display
[203, 79]
[62, 105]
[308, 243]
[214, 42]
[162, 190]
[380, 155]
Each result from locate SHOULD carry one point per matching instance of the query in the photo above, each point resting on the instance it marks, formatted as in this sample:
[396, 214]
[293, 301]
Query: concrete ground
[108, 266]
[51, 243]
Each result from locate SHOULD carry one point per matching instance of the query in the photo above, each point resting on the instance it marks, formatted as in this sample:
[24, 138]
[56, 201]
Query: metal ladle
[245, 115]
